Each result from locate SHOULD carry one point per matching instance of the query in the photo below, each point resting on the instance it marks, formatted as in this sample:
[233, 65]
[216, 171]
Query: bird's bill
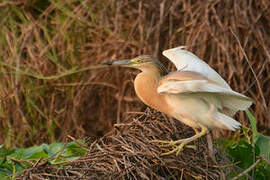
[124, 62]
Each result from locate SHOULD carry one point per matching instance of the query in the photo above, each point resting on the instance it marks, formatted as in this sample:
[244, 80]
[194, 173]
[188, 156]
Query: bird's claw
[178, 145]
[176, 148]
[165, 143]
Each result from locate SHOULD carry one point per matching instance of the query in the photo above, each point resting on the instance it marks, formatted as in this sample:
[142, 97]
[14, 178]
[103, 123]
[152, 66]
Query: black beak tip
[108, 63]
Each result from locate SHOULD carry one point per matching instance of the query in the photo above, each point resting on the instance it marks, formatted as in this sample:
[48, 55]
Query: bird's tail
[226, 122]
[236, 103]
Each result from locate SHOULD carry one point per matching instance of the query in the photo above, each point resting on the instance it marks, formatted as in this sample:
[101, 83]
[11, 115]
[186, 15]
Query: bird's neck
[146, 84]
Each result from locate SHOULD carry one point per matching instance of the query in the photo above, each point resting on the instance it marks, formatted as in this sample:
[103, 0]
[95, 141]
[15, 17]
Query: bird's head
[142, 62]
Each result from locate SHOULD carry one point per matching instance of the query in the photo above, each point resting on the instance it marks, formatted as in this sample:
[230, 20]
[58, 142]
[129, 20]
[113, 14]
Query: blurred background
[45, 43]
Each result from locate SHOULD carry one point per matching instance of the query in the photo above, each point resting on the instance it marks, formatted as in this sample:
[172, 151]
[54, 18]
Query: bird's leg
[183, 142]
[211, 152]
[187, 139]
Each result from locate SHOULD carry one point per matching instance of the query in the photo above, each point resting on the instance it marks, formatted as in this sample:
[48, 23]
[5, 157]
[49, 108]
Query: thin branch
[265, 159]
[255, 76]
[247, 170]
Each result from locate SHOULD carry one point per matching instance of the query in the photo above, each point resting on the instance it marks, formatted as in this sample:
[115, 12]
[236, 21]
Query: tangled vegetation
[49, 50]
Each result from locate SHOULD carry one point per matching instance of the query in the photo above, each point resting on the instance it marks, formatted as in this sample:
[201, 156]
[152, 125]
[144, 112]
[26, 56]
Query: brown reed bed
[44, 98]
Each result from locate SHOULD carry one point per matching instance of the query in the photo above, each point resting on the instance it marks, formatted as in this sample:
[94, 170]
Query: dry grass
[49, 38]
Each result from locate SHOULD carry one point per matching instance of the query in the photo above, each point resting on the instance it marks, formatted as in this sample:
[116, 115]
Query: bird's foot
[177, 149]
[177, 146]
[171, 142]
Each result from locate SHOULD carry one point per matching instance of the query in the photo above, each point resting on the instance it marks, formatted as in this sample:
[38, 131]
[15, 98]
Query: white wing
[196, 86]
[192, 83]
[187, 61]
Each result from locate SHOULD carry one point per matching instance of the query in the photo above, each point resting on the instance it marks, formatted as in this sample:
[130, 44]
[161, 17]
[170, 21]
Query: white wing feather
[187, 61]
[175, 87]
[229, 122]
[229, 98]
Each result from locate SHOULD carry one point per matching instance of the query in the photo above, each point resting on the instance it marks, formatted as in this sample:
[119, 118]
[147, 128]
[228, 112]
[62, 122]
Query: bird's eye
[137, 61]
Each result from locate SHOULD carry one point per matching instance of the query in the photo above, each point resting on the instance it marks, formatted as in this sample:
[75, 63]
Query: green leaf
[17, 154]
[263, 142]
[73, 149]
[262, 171]
[6, 171]
[243, 152]
[10, 168]
[252, 121]
[4, 152]
[247, 135]
[2, 160]
[4, 176]
[55, 148]
[34, 152]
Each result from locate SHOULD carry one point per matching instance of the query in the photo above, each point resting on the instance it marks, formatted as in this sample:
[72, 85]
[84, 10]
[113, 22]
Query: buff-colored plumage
[195, 94]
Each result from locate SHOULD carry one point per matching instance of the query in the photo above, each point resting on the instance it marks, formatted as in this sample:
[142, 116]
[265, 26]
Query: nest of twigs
[128, 153]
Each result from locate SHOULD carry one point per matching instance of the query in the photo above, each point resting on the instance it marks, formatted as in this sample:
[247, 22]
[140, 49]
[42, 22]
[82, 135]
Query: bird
[195, 94]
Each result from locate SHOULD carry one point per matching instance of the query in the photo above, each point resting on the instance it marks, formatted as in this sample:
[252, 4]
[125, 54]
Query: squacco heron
[195, 94]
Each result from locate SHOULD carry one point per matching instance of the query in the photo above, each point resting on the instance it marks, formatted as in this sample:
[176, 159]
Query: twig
[60, 152]
[264, 158]
[225, 165]
[21, 160]
[255, 76]
[78, 142]
[247, 170]
[76, 173]
[37, 162]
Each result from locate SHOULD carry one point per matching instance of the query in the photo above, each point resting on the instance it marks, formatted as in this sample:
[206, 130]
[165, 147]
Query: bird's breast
[146, 89]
